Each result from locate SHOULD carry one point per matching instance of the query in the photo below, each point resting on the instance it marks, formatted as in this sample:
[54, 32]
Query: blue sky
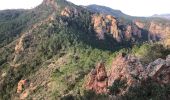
[131, 7]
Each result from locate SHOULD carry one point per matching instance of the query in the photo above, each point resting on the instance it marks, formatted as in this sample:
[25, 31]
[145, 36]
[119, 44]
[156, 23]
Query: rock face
[21, 85]
[159, 70]
[69, 12]
[104, 24]
[167, 42]
[131, 31]
[157, 31]
[98, 79]
[107, 24]
[126, 67]
[24, 88]
[139, 24]
[129, 68]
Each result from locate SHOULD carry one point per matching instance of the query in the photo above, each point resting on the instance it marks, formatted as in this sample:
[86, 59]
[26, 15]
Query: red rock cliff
[129, 68]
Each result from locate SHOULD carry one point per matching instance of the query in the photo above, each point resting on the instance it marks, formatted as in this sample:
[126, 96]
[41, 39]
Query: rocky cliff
[128, 68]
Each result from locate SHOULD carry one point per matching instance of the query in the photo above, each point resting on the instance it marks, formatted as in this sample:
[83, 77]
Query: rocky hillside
[127, 73]
[47, 53]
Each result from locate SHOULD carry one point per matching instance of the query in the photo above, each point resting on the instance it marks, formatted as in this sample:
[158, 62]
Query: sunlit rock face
[105, 24]
[25, 88]
[158, 31]
[139, 24]
[97, 79]
[159, 70]
[69, 12]
[128, 68]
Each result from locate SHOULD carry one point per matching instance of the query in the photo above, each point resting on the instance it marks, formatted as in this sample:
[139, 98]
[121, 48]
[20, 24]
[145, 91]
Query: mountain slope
[46, 52]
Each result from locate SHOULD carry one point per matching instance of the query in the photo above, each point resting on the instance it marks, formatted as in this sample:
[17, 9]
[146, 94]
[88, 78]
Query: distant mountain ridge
[166, 16]
[106, 10]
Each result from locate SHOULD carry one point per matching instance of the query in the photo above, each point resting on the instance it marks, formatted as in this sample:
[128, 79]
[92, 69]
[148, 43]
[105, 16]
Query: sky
[130, 7]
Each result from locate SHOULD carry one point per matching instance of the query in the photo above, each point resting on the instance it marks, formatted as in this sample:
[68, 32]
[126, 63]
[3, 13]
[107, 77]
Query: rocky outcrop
[24, 88]
[69, 12]
[157, 31]
[159, 70]
[131, 32]
[126, 67]
[21, 85]
[139, 24]
[167, 42]
[129, 68]
[97, 79]
[104, 24]
[107, 24]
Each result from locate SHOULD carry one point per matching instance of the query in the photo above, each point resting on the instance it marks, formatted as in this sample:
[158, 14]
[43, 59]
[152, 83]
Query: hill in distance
[166, 16]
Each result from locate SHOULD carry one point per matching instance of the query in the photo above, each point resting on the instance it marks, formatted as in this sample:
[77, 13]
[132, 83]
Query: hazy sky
[131, 7]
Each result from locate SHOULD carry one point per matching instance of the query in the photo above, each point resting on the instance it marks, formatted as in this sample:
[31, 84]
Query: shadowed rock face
[129, 68]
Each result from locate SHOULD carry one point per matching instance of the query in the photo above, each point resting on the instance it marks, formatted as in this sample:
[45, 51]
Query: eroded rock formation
[97, 80]
[69, 12]
[129, 68]
[107, 24]
[132, 32]
[24, 88]
[159, 70]
[103, 24]
[126, 67]
[157, 31]
[21, 85]
[139, 24]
